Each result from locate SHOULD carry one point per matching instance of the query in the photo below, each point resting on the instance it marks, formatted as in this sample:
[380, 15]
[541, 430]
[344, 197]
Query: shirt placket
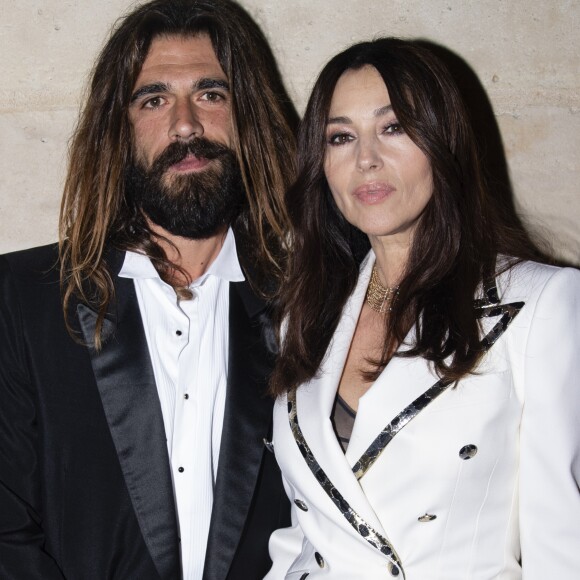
[188, 441]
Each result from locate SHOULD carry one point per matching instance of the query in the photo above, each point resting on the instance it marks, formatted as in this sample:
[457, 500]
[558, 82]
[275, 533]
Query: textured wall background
[524, 52]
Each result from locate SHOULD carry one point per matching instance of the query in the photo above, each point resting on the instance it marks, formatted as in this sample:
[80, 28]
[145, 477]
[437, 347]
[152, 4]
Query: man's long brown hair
[455, 245]
[95, 212]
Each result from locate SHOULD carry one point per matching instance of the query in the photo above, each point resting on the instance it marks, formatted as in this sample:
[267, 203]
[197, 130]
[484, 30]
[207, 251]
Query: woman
[457, 355]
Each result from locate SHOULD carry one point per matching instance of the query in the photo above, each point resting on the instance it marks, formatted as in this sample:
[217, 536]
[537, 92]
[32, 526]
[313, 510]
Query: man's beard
[194, 205]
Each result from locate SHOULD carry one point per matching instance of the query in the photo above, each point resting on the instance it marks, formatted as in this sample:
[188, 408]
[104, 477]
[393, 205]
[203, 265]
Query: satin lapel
[247, 421]
[314, 403]
[126, 383]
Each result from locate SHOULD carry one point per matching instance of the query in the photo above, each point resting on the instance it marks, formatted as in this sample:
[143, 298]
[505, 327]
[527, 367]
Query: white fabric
[193, 363]
[518, 496]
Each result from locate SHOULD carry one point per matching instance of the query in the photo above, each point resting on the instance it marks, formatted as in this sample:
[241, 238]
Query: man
[134, 357]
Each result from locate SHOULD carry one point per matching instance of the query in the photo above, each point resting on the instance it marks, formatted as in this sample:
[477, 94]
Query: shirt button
[319, 560]
[180, 469]
[427, 518]
[178, 332]
[186, 396]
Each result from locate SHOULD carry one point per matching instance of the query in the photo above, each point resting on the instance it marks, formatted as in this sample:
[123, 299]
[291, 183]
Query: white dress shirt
[188, 345]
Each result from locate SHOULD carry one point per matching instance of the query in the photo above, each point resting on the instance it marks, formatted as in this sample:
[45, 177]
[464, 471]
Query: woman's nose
[369, 157]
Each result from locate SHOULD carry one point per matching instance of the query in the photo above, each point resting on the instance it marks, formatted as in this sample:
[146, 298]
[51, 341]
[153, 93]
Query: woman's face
[380, 180]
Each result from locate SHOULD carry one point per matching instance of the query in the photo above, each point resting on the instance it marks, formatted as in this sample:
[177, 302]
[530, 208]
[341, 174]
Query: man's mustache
[179, 150]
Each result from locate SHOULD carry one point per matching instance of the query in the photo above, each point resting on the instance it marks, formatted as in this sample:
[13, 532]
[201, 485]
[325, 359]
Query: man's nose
[185, 122]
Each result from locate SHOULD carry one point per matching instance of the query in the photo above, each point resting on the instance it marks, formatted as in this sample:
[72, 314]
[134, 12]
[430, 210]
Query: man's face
[181, 93]
[185, 177]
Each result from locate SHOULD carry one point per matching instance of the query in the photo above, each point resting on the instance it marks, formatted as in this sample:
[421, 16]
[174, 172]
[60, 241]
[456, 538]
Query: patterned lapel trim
[485, 308]
[365, 530]
[490, 295]
[489, 307]
[374, 450]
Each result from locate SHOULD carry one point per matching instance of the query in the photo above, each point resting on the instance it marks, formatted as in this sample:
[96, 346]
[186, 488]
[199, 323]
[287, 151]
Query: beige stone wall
[524, 52]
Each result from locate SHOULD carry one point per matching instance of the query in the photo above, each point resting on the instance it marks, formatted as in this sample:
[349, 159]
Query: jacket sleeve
[285, 546]
[549, 508]
[22, 553]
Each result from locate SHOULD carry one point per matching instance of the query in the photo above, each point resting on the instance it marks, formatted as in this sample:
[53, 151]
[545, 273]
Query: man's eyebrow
[347, 121]
[149, 89]
[209, 83]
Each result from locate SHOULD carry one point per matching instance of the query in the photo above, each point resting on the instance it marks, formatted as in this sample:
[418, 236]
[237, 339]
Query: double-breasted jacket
[473, 481]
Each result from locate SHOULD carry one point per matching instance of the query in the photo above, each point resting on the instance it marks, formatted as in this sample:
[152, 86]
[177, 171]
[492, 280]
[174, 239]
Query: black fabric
[85, 488]
[246, 424]
[126, 383]
[342, 418]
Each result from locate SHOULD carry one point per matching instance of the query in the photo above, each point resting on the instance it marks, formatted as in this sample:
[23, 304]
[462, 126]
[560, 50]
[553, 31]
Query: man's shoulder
[254, 303]
[40, 264]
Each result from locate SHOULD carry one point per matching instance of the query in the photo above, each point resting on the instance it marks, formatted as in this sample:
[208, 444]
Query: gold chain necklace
[380, 298]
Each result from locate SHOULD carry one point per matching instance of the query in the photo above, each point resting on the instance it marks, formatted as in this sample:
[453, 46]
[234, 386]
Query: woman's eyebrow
[347, 120]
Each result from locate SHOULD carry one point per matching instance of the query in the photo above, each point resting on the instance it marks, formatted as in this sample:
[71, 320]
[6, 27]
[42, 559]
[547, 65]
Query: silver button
[427, 518]
[468, 451]
[319, 560]
[394, 570]
[268, 445]
[301, 505]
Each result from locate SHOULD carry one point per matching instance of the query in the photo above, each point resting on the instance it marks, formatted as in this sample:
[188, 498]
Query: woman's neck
[392, 255]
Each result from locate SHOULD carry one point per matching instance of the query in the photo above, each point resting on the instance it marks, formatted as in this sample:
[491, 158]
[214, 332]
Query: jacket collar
[403, 384]
[126, 384]
[247, 422]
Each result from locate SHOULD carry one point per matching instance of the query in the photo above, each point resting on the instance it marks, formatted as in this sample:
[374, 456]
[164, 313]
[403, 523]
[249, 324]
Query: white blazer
[481, 484]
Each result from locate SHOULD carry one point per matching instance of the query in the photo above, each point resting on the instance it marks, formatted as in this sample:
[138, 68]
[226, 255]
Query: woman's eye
[394, 129]
[339, 139]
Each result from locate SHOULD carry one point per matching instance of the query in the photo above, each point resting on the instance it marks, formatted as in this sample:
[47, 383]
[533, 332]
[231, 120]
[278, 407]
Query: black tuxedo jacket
[85, 486]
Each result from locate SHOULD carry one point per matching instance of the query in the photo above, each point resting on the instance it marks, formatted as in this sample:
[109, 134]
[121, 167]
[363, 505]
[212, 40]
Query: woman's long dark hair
[454, 247]
[97, 214]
